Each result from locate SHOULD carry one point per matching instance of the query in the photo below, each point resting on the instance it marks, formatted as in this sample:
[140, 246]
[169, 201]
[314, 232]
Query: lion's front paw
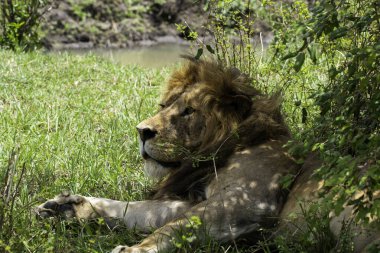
[64, 205]
[134, 249]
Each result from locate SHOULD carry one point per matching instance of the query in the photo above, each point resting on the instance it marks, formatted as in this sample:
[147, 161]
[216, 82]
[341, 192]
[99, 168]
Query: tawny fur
[257, 119]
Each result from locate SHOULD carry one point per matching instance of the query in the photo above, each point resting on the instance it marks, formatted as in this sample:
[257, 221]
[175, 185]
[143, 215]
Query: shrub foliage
[19, 21]
[346, 131]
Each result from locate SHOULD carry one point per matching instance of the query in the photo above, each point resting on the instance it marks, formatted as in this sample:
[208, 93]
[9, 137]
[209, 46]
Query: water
[156, 56]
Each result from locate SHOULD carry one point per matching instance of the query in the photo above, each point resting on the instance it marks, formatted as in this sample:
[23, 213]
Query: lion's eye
[162, 106]
[188, 110]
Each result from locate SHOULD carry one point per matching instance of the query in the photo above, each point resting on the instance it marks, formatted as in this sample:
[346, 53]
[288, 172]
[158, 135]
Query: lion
[216, 147]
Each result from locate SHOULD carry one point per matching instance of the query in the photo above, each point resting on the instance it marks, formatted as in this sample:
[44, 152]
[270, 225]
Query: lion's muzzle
[146, 132]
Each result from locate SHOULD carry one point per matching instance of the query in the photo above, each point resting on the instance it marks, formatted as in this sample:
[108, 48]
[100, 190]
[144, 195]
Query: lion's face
[173, 133]
[201, 106]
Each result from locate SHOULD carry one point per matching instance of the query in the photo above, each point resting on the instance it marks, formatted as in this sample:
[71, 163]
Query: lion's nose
[146, 132]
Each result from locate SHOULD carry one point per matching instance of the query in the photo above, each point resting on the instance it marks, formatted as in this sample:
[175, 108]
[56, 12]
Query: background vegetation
[19, 23]
[68, 122]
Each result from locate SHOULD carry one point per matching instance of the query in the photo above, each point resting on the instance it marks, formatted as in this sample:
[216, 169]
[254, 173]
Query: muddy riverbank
[77, 24]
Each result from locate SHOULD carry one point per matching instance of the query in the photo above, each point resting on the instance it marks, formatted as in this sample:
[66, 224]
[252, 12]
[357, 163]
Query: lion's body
[217, 147]
[305, 192]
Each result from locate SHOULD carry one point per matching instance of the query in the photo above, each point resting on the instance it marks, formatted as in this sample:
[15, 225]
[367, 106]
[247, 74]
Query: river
[155, 56]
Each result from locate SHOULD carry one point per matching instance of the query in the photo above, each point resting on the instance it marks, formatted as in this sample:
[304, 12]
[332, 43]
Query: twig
[14, 194]
[262, 47]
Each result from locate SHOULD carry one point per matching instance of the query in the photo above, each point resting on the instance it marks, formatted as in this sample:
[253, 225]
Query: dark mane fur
[241, 117]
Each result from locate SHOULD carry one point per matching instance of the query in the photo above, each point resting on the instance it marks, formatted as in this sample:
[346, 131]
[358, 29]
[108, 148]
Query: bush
[346, 132]
[19, 22]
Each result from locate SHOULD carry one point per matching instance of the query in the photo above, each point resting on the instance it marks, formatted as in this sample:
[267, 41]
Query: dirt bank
[123, 23]
[118, 23]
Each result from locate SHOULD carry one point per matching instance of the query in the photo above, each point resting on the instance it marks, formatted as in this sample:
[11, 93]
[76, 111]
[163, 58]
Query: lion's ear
[239, 104]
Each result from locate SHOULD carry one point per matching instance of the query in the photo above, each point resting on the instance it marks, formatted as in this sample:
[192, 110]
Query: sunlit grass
[70, 122]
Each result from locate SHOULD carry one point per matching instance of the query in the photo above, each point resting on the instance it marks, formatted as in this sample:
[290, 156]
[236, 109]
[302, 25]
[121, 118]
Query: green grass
[68, 123]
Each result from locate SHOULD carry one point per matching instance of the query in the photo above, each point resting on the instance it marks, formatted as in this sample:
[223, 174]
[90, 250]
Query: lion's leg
[223, 220]
[143, 215]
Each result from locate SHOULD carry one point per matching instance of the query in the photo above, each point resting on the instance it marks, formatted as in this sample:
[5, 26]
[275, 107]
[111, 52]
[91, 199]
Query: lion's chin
[155, 170]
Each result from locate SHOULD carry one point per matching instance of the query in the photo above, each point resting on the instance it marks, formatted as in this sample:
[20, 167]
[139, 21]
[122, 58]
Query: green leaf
[206, 6]
[299, 61]
[333, 72]
[304, 115]
[312, 53]
[210, 49]
[288, 56]
[180, 28]
[286, 181]
[338, 33]
[199, 53]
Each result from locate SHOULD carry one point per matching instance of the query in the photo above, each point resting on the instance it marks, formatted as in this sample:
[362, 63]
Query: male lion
[217, 146]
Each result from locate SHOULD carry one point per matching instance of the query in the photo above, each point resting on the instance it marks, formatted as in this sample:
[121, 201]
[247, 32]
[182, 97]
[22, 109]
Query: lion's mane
[240, 116]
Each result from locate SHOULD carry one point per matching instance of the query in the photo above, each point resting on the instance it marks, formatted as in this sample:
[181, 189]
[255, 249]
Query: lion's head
[205, 108]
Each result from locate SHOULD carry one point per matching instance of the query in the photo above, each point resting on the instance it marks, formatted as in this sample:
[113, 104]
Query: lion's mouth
[162, 163]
